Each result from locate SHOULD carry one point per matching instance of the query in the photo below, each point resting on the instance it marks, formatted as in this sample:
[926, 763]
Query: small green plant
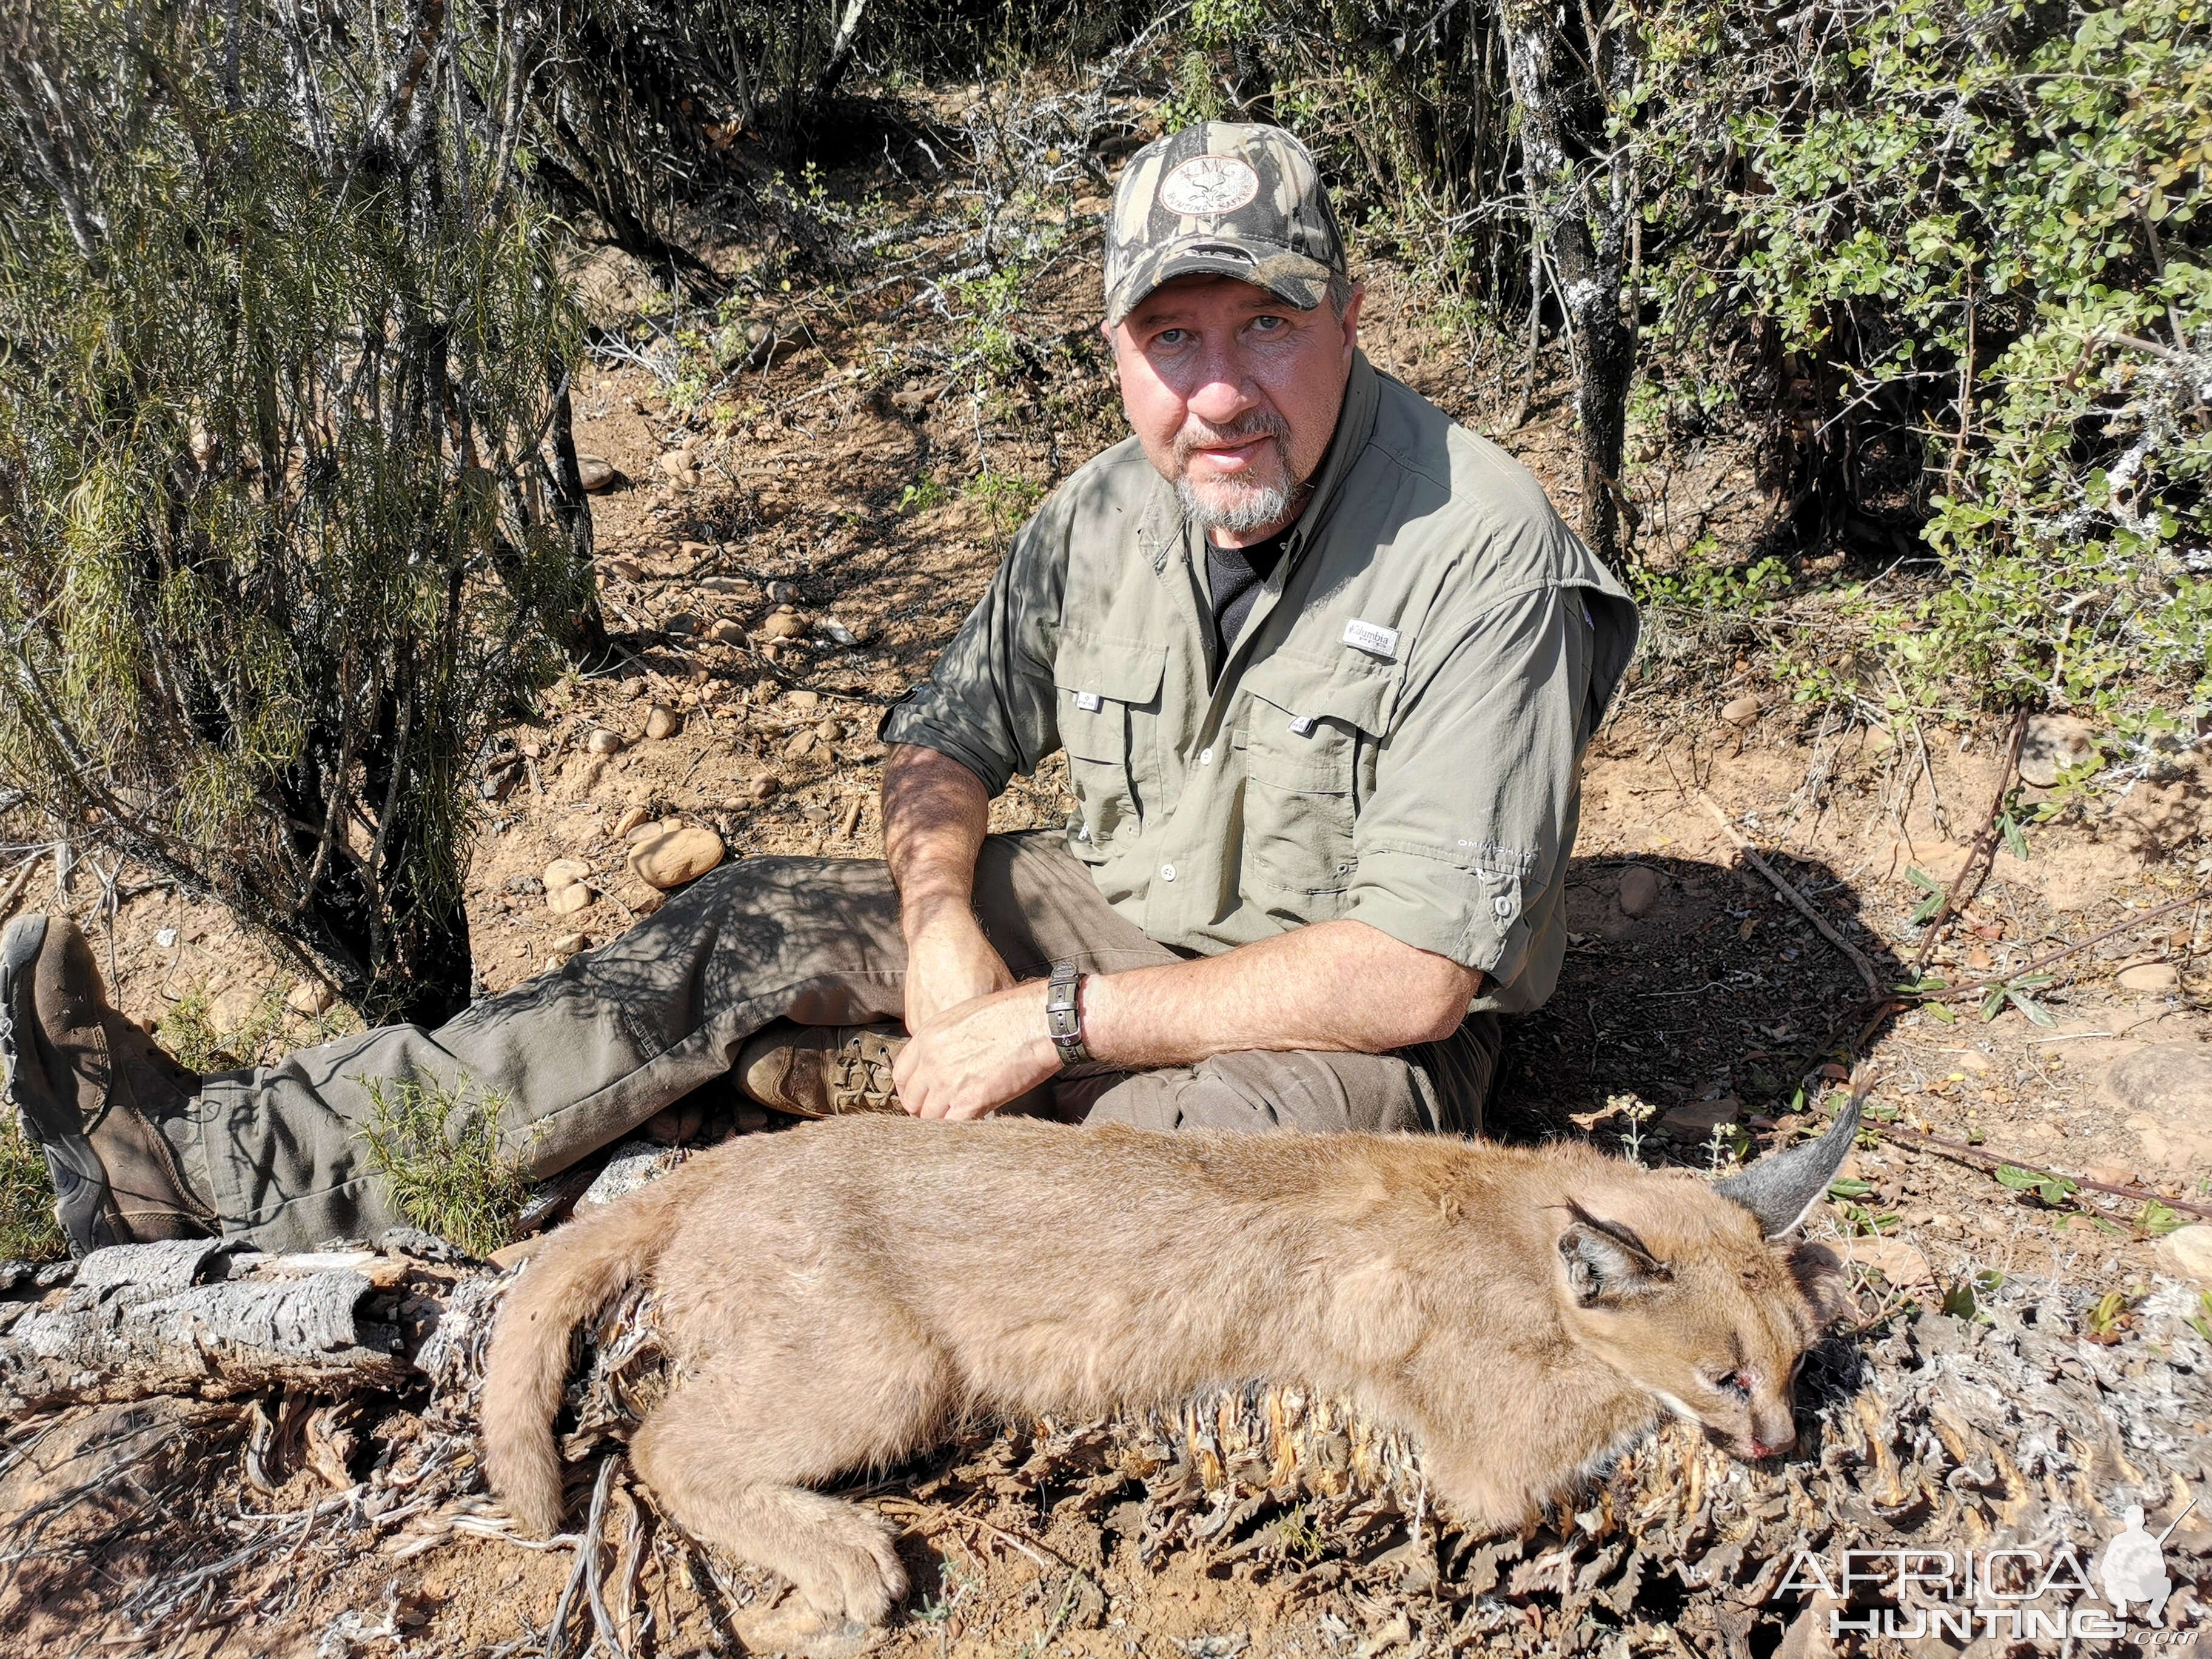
[28, 1230]
[1006, 498]
[188, 1031]
[1639, 1113]
[2201, 1322]
[1964, 1299]
[1298, 1536]
[922, 494]
[1860, 1220]
[2049, 1189]
[2109, 1318]
[2157, 1219]
[440, 1155]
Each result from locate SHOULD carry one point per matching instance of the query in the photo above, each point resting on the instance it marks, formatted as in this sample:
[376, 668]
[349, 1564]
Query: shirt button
[1167, 873]
[1206, 757]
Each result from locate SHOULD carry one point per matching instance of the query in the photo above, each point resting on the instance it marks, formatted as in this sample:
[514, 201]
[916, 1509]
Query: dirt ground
[787, 576]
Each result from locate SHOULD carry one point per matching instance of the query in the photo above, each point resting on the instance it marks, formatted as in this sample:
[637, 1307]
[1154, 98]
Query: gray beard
[1253, 509]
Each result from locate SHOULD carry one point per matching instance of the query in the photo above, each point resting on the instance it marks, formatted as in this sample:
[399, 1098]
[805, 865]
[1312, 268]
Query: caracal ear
[1608, 1265]
[1782, 1186]
[1821, 1278]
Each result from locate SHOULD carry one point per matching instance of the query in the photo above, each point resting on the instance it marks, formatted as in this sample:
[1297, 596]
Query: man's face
[1234, 396]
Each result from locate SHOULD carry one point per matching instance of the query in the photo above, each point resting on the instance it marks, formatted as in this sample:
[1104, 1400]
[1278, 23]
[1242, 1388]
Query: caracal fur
[840, 1297]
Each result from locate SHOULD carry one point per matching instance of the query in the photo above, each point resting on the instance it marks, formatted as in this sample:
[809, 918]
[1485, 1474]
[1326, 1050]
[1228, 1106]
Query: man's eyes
[1266, 325]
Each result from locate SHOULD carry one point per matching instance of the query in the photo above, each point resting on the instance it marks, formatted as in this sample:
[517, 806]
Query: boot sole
[80, 1180]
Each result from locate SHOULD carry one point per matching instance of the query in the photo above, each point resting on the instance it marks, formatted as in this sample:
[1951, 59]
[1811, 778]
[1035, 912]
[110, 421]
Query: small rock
[672, 1125]
[663, 722]
[2188, 1251]
[623, 570]
[1696, 1119]
[765, 692]
[635, 1164]
[805, 702]
[2053, 744]
[167, 937]
[310, 997]
[829, 731]
[1974, 1061]
[1638, 891]
[669, 857]
[783, 624]
[632, 688]
[1741, 711]
[681, 626]
[569, 945]
[837, 631]
[783, 593]
[602, 742]
[766, 785]
[800, 743]
[596, 472]
[2163, 1092]
[631, 817]
[568, 901]
[679, 467]
[725, 632]
[565, 873]
[2149, 977]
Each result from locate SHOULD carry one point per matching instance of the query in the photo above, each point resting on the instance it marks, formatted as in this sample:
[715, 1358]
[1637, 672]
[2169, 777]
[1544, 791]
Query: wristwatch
[1063, 1013]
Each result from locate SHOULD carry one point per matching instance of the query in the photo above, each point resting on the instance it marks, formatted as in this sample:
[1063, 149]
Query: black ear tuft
[1606, 1263]
[1782, 1186]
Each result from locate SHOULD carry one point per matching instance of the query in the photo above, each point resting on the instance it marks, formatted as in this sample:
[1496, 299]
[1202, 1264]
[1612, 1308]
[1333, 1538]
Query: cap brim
[1296, 279]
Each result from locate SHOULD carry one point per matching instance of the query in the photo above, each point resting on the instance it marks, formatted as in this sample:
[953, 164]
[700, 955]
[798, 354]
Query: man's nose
[1222, 393]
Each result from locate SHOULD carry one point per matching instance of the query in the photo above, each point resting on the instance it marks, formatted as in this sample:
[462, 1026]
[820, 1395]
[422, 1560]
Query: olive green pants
[583, 1054]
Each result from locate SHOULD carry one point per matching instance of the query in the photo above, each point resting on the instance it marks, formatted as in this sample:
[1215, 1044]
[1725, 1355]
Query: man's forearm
[1332, 985]
[935, 815]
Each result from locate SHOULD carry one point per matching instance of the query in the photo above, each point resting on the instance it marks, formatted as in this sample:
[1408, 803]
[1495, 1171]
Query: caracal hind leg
[730, 1479]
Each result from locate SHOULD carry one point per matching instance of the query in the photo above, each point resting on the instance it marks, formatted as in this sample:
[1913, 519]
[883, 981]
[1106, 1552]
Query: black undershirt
[1233, 575]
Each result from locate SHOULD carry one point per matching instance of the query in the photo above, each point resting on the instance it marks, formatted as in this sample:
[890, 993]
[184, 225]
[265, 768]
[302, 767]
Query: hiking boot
[822, 1071]
[93, 1089]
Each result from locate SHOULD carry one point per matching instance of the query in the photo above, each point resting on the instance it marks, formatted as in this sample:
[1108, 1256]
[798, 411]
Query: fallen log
[205, 1319]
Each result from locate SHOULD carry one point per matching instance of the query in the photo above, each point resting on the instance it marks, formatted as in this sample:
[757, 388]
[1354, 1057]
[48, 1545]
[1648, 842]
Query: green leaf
[2158, 1220]
[1943, 1014]
[1993, 1004]
[1922, 880]
[2034, 1010]
[1927, 906]
[1849, 1188]
[2015, 838]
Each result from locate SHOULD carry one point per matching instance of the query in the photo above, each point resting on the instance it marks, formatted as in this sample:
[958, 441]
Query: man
[1324, 666]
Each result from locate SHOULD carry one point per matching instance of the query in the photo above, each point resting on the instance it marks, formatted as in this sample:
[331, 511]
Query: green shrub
[439, 1154]
[28, 1230]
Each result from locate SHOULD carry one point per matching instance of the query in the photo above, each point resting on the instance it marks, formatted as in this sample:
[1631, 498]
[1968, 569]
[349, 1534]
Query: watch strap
[1063, 1013]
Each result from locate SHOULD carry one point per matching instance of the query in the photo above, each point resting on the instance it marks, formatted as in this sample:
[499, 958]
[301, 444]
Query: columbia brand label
[1303, 725]
[1209, 185]
[1371, 637]
[1089, 701]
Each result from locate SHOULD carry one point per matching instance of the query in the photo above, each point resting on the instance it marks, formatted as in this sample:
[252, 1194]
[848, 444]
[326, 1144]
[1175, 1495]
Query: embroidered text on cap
[1209, 185]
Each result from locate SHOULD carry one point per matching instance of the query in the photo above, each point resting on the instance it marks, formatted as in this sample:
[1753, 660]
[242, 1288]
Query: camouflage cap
[1222, 200]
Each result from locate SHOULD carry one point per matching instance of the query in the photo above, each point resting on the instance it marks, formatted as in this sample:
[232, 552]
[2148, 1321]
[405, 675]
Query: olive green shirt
[1395, 735]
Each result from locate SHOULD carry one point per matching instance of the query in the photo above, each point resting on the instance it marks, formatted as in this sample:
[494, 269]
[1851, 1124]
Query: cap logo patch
[1208, 185]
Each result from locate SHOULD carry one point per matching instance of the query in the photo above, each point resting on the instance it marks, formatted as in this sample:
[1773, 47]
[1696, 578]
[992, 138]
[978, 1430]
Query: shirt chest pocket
[1308, 742]
[1108, 690]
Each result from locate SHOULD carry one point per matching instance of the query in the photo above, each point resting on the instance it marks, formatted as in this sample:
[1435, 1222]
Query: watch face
[1209, 185]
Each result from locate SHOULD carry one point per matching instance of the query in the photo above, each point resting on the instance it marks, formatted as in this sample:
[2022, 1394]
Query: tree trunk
[1581, 206]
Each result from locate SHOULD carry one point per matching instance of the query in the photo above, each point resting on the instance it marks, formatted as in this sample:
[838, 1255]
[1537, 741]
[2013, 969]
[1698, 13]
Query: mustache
[1258, 423]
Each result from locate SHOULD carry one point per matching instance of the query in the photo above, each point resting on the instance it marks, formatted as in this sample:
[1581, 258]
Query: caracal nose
[1773, 1442]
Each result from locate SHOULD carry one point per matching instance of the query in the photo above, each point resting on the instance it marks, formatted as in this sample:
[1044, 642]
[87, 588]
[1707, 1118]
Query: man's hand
[973, 1058]
[948, 962]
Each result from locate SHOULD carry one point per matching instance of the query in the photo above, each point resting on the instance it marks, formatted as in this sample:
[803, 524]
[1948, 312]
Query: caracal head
[1681, 1287]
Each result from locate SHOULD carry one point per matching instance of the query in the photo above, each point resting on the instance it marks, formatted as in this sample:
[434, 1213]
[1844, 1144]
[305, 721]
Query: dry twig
[1797, 900]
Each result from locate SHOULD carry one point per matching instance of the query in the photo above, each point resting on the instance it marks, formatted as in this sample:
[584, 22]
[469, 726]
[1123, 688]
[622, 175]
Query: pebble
[1638, 891]
[1741, 711]
[2150, 977]
[1696, 1119]
[681, 626]
[800, 743]
[727, 632]
[623, 570]
[671, 856]
[596, 472]
[784, 624]
[783, 593]
[566, 901]
[631, 817]
[2051, 745]
[829, 731]
[663, 722]
[805, 702]
[602, 742]
[766, 785]
[2188, 1251]
[679, 467]
[764, 692]
[632, 688]
[565, 873]
[310, 997]
[569, 944]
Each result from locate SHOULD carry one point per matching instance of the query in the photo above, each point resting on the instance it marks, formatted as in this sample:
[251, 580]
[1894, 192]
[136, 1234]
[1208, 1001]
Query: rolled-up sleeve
[988, 702]
[1473, 801]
